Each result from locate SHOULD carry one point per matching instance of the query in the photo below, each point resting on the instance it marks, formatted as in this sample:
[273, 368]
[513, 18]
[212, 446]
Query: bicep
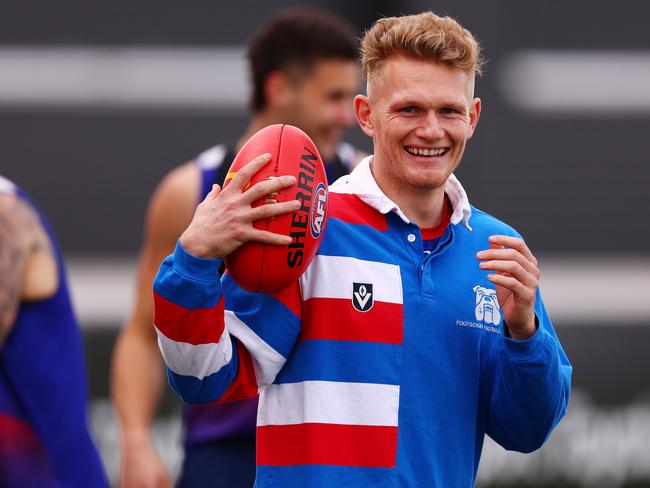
[13, 254]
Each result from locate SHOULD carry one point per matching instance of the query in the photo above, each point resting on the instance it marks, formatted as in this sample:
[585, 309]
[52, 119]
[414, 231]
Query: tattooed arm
[27, 265]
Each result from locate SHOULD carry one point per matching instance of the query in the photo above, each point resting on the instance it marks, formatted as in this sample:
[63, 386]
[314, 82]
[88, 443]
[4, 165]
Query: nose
[430, 128]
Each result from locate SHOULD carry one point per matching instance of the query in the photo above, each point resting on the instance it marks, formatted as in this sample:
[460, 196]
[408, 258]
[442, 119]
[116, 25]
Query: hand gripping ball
[265, 267]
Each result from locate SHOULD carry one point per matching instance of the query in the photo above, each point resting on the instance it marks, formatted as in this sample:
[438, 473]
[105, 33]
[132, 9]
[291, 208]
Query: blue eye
[409, 110]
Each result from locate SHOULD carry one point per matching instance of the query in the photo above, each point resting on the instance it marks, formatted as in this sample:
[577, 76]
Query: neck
[423, 207]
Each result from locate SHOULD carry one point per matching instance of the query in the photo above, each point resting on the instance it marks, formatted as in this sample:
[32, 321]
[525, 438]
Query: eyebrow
[408, 101]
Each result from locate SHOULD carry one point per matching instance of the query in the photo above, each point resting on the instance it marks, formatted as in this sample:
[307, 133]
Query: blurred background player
[304, 70]
[44, 438]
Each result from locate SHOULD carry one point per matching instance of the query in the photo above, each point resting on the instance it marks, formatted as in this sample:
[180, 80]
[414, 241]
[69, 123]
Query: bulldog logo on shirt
[362, 296]
[487, 306]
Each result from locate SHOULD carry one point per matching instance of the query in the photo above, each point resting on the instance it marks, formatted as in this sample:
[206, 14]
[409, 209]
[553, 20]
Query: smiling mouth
[430, 152]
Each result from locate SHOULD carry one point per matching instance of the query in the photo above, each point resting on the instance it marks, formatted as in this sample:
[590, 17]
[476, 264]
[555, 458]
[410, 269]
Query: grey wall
[557, 178]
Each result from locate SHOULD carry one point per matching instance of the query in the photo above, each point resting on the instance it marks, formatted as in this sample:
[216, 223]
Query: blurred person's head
[420, 108]
[304, 71]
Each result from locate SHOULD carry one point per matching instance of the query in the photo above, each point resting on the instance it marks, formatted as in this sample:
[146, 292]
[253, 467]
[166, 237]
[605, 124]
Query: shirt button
[410, 238]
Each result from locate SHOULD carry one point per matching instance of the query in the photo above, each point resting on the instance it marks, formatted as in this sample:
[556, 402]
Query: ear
[474, 114]
[475, 288]
[277, 89]
[362, 112]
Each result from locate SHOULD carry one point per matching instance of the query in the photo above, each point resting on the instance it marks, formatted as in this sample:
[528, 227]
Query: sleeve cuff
[529, 347]
[205, 269]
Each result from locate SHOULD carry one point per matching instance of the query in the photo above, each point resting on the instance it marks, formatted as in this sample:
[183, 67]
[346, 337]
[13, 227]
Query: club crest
[362, 298]
[487, 306]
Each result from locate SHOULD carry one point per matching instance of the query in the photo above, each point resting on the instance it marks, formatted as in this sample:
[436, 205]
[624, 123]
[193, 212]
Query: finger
[518, 289]
[214, 192]
[513, 269]
[271, 210]
[246, 172]
[514, 243]
[494, 245]
[267, 237]
[508, 255]
[268, 186]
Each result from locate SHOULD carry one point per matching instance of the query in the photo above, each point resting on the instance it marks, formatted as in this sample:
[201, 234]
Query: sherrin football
[265, 267]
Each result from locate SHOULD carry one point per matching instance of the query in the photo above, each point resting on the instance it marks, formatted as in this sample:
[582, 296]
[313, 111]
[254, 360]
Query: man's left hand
[516, 278]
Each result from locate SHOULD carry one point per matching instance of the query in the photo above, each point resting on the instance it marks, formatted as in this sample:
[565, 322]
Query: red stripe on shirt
[17, 437]
[289, 297]
[333, 444]
[245, 383]
[382, 323]
[350, 209]
[197, 326]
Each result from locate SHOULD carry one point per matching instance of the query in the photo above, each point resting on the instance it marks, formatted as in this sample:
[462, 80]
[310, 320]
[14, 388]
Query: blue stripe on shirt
[350, 361]
[269, 318]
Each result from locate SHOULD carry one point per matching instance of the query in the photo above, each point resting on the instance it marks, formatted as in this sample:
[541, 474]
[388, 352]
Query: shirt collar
[362, 183]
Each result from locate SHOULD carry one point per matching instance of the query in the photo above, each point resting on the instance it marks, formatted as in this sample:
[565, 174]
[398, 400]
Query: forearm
[137, 382]
[189, 321]
[531, 389]
[213, 354]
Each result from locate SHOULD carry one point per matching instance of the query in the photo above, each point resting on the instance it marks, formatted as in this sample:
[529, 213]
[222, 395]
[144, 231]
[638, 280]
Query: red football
[268, 268]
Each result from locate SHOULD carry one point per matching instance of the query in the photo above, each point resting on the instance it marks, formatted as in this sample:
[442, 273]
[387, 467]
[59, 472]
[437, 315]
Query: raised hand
[516, 279]
[224, 220]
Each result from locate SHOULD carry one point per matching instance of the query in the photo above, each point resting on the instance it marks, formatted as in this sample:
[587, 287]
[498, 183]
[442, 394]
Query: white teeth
[425, 152]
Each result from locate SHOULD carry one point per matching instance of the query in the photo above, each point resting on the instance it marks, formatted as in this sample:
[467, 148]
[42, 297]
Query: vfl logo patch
[318, 210]
[362, 296]
[487, 306]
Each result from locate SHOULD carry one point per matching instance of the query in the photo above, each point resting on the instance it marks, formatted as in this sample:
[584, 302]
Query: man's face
[321, 102]
[420, 115]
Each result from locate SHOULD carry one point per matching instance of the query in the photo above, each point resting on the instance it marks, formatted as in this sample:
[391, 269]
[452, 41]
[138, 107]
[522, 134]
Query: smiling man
[416, 330]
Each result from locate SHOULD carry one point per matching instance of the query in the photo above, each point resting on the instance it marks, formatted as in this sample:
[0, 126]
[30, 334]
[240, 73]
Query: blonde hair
[421, 36]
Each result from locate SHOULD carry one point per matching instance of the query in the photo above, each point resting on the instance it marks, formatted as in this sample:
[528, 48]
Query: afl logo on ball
[318, 210]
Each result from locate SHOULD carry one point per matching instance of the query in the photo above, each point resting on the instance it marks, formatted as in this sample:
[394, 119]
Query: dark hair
[294, 39]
